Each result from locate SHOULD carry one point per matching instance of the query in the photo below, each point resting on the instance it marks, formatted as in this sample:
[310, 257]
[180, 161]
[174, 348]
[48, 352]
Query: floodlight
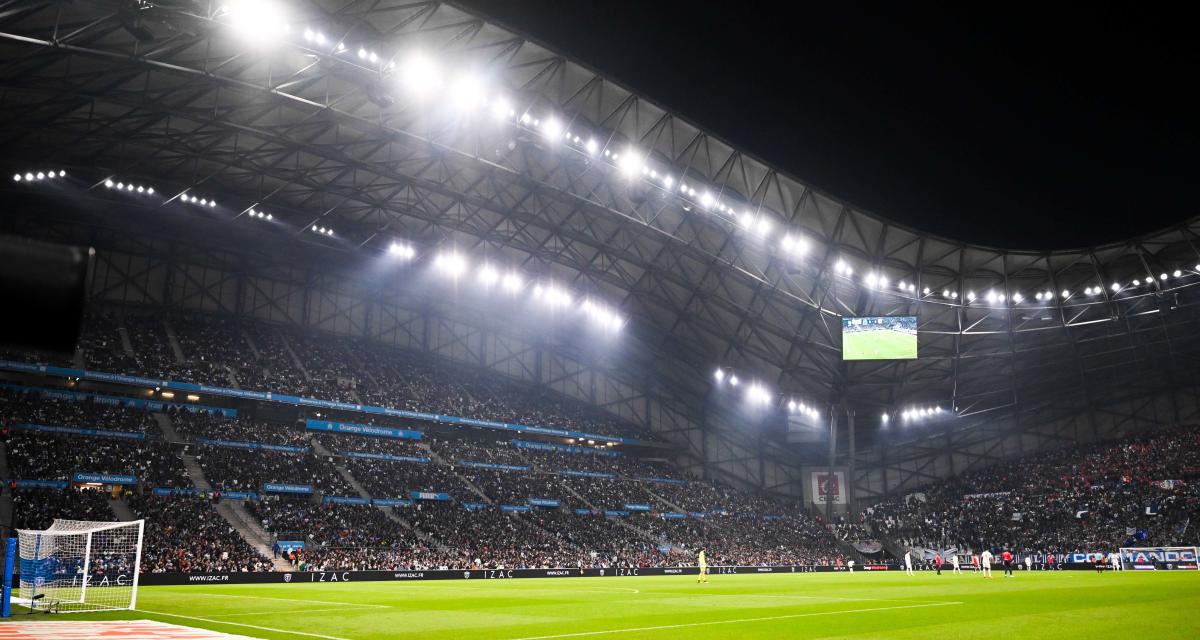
[450, 264]
[719, 375]
[706, 200]
[592, 146]
[150, 191]
[41, 175]
[17, 177]
[62, 173]
[29, 177]
[420, 75]
[668, 181]
[884, 417]
[141, 189]
[552, 129]
[733, 380]
[629, 165]
[1066, 294]
[1017, 298]
[372, 57]
[1116, 286]
[945, 293]
[467, 92]
[1136, 282]
[1176, 273]
[260, 22]
[1162, 276]
[970, 296]
[487, 275]
[512, 281]
[501, 108]
[764, 225]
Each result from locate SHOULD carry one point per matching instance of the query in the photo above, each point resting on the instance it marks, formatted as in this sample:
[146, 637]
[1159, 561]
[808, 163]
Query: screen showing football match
[879, 338]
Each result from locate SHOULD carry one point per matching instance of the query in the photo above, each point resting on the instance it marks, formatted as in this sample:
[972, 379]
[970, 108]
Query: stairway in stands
[461, 478]
[233, 511]
[389, 512]
[121, 511]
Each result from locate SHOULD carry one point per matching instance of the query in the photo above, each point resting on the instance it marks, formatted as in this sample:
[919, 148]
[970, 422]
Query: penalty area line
[239, 624]
[685, 625]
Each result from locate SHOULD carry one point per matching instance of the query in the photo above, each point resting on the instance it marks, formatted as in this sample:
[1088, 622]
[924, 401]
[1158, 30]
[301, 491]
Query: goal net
[77, 565]
[1160, 558]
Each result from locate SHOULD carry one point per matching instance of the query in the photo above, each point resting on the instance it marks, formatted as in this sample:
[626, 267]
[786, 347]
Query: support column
[832, 459]
[851, 479]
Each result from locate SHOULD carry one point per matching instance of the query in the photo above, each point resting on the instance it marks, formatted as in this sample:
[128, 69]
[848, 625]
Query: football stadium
[358, 320]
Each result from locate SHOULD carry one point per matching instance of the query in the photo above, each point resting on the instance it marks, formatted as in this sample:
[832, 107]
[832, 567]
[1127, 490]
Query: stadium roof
[359, 125]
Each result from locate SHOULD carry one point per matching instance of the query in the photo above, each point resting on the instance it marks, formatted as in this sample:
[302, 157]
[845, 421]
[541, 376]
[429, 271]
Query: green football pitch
[878, 345]
[1063, 604]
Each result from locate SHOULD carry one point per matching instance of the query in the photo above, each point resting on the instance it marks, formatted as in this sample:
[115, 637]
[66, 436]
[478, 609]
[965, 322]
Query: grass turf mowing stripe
[240, 624]
[684, 625]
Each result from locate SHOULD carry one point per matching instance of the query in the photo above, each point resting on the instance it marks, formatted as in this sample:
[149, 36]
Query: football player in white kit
[985, 563]
[908, 562]
[1116, 561]
[954, 561]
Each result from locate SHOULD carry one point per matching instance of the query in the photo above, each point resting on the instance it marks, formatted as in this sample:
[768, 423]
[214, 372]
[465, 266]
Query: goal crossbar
[78, 566]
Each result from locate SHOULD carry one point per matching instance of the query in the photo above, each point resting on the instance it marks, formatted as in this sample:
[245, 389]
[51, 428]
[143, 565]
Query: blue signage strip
[474, 506]
[544, 502]
[514, 508]
[66, 372]
[489, 465]
[391, 502]
[583, 512]
[236, 444]
[284, 545]
[430, 495]
[664, 480]
[239, 495]
[586, 474]
[345, 500]
[674, 516]
[697, 514]
[103, 478]
[362, 429]
[616, 513]
[174, 491]
[384, 456]
[565, 448]
[78, 431]
[41, 484]
[637, 507]
[136, 403]
[276, 487]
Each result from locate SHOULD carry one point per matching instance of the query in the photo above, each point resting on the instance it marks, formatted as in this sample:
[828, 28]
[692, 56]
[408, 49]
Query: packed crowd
[35, 407]
[184, 533]
[266, 357]
[192, 424]
[152, 463]
[234, 469]
[1140, 491]
[39, 508]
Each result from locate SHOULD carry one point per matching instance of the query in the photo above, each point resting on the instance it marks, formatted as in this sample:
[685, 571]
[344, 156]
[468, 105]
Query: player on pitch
[703, 562]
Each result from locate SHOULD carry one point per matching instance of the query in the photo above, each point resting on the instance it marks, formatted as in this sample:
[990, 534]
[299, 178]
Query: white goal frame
[1162, 555]
[79, 566]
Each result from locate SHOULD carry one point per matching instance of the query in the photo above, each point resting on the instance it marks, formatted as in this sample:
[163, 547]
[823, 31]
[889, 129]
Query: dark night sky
[1021, 128]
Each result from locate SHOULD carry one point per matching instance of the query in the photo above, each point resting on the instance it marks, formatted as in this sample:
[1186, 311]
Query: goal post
[1160, 558]
[77, 566]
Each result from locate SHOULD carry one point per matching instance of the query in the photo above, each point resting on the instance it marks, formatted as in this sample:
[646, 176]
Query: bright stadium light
[764, 225]
[719, 375]
[450, 264]
[1017, 298]
[552, 128]
[1176, 273]
[466, 94]
[1136, 282]
[884, 418]
[592, 146]
[733, 380]
[420, 75]
[1162, 276]
[512, 282]
[1065, 294]
[260, 22]
[1116, 286]
[402, 251]
[945, 293]
[488, 275]
[629, 164]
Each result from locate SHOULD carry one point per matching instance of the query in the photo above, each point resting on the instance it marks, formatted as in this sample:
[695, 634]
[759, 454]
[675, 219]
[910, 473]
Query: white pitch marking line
[741, 620]
[292, 611]
[240, 624]
[341, 604]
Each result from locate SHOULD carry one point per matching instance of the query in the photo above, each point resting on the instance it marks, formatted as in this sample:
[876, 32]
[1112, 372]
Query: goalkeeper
[703, 562]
